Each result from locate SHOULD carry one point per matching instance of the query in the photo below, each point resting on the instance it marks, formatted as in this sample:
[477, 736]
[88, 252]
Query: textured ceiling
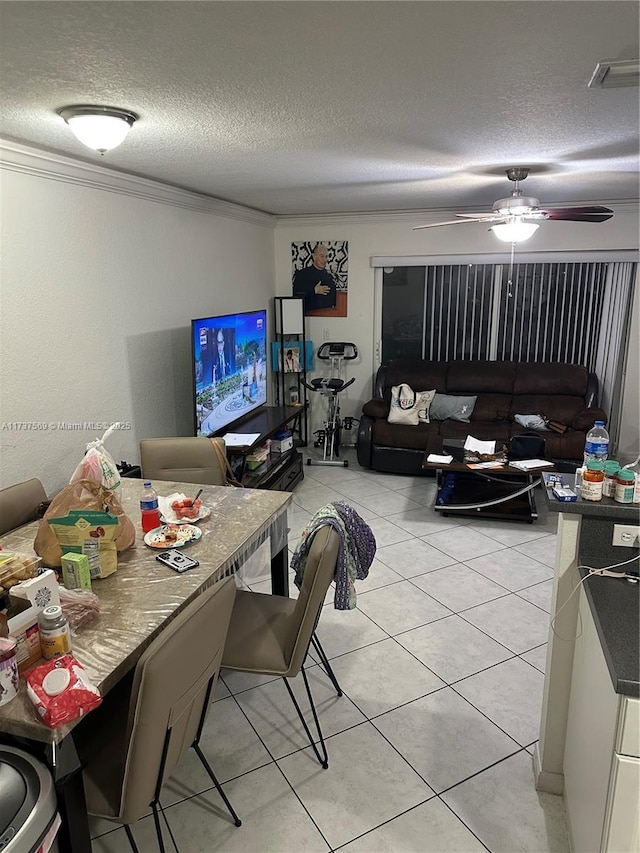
[319, 107]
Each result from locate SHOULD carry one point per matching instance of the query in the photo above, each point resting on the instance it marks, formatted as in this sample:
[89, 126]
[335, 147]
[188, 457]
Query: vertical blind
[570, 312]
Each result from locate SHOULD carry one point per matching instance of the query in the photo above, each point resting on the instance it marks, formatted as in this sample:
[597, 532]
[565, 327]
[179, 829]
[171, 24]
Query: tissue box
[281, 442]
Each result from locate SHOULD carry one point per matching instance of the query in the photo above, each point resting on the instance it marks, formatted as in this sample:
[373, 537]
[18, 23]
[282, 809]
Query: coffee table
[504, 493]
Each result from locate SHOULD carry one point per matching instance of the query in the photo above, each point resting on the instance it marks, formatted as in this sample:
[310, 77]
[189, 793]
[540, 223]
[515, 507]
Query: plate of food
[172, 536]
[185, 511]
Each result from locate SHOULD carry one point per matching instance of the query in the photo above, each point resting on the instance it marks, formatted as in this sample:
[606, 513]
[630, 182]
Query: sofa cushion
[585, 418]
[491, 407]
[447, 406]
[376, 408]
[557, 407]
[420, 375]
[465, 377]
[549, 379]
[399, 435]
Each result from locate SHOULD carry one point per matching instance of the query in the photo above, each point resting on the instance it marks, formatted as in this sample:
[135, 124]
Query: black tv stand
[281, 471]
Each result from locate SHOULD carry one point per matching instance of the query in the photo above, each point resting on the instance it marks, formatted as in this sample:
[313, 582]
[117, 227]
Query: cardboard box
[75, 571]
[28, 600]
[23, 625]
[281, 442]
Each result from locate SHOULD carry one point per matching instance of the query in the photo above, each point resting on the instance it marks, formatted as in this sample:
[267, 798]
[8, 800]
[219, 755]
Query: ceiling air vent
[613, 74]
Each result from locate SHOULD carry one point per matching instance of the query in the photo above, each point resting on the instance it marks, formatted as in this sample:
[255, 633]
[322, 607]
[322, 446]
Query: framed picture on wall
[319, 276]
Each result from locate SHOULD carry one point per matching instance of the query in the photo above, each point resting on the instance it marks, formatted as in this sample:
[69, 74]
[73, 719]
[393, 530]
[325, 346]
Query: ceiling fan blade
[594, 213]
[448, 222]
[490, 214]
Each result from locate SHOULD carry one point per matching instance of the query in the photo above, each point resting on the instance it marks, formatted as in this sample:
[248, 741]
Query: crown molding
[427, 215]
[46, 164]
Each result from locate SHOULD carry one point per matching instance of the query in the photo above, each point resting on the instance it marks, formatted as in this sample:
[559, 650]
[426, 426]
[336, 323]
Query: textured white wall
[381, 235]
[97, 293]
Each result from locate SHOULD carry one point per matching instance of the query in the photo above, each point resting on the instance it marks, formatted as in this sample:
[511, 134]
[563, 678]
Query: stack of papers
[240, 439]
[530, 464]
[481, 447]
[439, 460]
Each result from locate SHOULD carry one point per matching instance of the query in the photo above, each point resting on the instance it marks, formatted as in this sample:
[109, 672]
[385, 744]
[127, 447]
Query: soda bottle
[150, 514]
[597, 444]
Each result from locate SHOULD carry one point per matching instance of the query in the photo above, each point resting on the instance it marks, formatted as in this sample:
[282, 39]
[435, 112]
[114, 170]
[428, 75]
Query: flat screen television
[229, 368]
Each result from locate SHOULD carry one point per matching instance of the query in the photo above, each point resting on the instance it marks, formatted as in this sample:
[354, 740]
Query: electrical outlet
[626, 535]
[326, 334]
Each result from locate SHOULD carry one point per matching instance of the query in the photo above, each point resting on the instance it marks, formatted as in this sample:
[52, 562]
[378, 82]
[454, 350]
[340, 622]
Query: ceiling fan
[515, 218]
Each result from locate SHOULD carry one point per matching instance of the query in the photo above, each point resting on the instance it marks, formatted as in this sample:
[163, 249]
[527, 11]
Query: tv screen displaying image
[229, 368]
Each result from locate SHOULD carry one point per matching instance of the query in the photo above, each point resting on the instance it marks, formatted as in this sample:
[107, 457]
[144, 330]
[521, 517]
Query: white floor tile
[388, 503]
[379, 575]
[537, 657]
[459, 587]
[229, 744]
[383, 676]
[510, 569]
[452, 648]
[423, 522]
[273, 715]
[366, 784]
[510, 694]
[510, 533]
[343, 631]
[413, 557]
[444, 738]
[400, 607]
[515, 623]
[463, 547]
[502, 807]
[387, 533]
[543, 550]
[429, 828]
[540, 594]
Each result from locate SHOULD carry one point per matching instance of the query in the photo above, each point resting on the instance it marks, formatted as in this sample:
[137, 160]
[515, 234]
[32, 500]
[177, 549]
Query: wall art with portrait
[319, 276]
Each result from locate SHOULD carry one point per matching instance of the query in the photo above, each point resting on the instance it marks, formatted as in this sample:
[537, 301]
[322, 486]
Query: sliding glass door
[571, 311]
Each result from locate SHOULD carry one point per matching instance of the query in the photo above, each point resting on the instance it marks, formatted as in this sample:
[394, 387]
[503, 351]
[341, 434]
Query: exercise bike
[329, 436]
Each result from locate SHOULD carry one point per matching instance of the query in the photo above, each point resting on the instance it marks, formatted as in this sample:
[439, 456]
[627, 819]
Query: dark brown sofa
[563, 392]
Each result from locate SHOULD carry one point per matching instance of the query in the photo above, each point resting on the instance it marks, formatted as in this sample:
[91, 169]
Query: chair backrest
[185, 460]
[19, 504]
[319, 571]
[169, 691]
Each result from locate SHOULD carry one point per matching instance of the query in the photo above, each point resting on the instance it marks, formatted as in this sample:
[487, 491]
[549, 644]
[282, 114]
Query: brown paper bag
[86, 495]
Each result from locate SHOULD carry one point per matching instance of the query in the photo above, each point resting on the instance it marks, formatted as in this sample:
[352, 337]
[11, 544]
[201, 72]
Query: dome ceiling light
[99, 128]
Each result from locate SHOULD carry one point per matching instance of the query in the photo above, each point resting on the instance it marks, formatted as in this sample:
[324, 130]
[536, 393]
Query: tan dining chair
[271, 635]
[19, 504]
[184, 460]
[131, 744]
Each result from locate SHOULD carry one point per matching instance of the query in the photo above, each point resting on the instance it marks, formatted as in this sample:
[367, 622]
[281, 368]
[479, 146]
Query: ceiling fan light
[514, 232]
[99, 128]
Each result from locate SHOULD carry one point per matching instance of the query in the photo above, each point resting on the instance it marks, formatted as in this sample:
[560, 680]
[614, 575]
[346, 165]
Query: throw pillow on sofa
[424, 399]
[446, 406]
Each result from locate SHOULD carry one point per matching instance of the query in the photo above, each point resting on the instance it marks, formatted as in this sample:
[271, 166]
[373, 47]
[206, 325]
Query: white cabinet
[601, 761]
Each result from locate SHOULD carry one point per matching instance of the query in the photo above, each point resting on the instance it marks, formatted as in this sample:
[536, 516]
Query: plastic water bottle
[597, 444]
[150, 513]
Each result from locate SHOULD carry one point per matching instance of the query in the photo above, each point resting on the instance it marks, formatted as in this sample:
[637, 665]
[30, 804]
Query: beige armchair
[270, 634]
[131, 744]
[185, 460]
[19, 504]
